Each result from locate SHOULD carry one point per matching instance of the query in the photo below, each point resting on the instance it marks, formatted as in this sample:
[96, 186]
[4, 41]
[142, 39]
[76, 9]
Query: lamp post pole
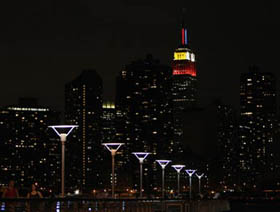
[199, 182]
[141, 157]
[190, 172]
[63, 140]
[63, 131]
[113, 148]
[163, 164]
[178, 169]
[113, 152]
[163, 188]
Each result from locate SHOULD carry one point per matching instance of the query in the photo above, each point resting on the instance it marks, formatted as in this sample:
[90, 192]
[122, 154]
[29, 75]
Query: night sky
[44, 44]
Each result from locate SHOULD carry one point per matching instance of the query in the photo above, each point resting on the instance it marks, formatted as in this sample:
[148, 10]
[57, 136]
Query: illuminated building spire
[184, 32]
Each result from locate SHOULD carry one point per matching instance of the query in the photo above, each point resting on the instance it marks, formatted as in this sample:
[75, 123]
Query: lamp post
[113, 148]
[178, 168]
[190, 172]
[163, 164]
[63, 131]
[199, 182]
[141, 157]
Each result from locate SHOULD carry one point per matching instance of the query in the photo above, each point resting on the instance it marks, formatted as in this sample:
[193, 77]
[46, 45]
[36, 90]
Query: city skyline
[144, 87]
[168, 84]
[45, 52]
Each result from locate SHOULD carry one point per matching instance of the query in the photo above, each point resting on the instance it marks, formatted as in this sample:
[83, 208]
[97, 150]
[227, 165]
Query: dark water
[255, 206]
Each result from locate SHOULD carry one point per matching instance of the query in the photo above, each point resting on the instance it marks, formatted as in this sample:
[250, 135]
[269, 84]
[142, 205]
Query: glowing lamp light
[190, 172]
[141, 155]
[113, 147]
[163, 163]
[63, 130]
[178, 168]
[199, 176]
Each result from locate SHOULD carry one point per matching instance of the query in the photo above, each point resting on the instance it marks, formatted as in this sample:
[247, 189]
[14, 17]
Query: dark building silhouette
[83, 107]
[227, 128]
[257, 120]
[29, 153]
[199, 141]
[144, 112]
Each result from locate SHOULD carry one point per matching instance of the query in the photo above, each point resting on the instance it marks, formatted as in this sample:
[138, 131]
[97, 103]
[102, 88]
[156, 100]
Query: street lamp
[199, 182]
[163, 164]
[178, 168]
[113, 148]
[63, 131]
[141, 157]
[190, 172]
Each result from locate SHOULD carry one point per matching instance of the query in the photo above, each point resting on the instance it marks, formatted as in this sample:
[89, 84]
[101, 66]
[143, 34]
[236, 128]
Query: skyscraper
[108, 122]
[257, 119]
[83, 107]
[184, 81]
[143, 97]
[29, 153]
[184, 86]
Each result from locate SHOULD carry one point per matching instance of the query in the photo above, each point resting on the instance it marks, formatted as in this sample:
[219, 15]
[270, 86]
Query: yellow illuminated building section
[180, 55]
[184, 56]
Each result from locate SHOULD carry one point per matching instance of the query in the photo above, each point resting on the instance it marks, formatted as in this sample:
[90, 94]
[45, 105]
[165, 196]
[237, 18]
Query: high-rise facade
[184, 81]
[29, 152]
[83, 107]
[184, 86]
[108, 122]
[143, 106]
[257, 119]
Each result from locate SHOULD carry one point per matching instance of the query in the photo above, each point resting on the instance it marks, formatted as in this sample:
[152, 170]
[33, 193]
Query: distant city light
[28, 109]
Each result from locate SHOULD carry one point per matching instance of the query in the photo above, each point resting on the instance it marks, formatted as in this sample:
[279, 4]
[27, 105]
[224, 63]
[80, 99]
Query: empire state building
[184, 83]
[184, 87]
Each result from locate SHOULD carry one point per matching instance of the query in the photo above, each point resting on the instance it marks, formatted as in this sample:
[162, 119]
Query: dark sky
[44, 44]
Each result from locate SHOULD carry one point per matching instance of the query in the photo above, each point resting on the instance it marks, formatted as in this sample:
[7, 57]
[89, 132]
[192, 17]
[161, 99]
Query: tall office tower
[184, 82]
[108, 122]
[109, 136]
[257, 119]
[29, 153]
[143, 109]
[184, 86]
[83, 107]
[227, 143]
